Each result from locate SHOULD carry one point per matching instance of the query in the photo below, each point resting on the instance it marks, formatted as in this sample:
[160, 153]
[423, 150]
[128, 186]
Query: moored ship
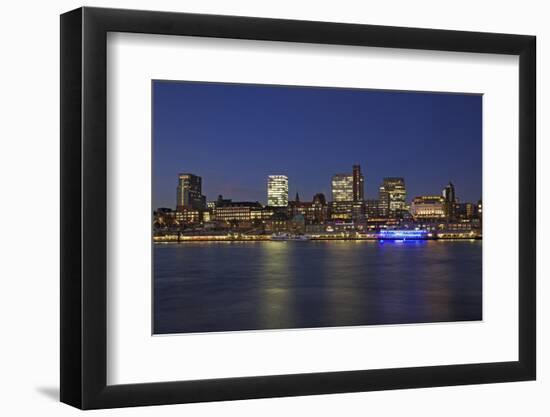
[396, 234]
[289, 237]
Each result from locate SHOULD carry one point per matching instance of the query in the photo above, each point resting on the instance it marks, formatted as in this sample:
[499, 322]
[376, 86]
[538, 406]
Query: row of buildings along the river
[348, 212]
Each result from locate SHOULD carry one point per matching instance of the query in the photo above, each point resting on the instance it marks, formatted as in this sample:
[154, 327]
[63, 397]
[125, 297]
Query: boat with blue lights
[396, 234]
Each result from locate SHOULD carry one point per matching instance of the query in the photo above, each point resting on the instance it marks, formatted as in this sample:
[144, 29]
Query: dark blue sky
[234, 135]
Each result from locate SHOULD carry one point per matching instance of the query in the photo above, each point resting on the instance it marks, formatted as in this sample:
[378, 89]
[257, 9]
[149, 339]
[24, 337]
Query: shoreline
[184, 239]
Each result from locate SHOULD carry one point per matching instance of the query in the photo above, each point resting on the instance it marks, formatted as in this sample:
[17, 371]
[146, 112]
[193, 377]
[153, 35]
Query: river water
[229, 286]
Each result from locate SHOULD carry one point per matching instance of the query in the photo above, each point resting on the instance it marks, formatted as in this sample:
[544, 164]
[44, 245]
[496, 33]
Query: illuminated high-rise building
[342, 187]
[342, 197]
[358, 184]
[392, 196]
[448, 194]
[189, 192]
[277, 190]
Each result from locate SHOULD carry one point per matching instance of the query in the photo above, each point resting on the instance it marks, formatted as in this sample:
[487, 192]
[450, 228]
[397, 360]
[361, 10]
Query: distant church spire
[297, 198]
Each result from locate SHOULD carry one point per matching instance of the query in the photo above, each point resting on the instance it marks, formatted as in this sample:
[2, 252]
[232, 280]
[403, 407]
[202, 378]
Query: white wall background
[29, 175]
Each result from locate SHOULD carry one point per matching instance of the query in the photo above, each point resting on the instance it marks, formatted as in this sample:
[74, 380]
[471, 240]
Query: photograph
[301, 207]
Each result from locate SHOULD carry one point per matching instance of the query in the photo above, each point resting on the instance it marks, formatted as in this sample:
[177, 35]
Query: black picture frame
[84, 207]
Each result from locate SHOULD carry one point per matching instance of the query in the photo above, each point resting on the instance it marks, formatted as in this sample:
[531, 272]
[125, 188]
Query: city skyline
[218, 131]
[196, 218]
[281, 197]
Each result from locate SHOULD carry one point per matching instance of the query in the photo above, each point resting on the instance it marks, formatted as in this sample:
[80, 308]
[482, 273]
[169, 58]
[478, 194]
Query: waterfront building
[358, 184]
[377, 223]
[238, 211]
[465, 211]
[461, 226]
[449, 196]
[188, 215]
[341, 210]
[297, 224]
[164, 218]
[313, 212]
[428, 207]
[261, 213]
[429, 224]
[316, 228]
[277, 190]
[163, 211]
[189, 192]
[279, 223]
[319, 208]
[392, 197]
[302, 208]
[342, 227]
[207, 216]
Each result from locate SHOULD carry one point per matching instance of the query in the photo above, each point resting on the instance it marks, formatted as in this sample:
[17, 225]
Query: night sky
[235, 135]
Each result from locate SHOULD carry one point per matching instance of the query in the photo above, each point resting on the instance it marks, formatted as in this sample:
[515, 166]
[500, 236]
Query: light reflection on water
[228, 286]
[276, 309]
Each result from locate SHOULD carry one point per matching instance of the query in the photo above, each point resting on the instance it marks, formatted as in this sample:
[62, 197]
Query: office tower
[189, 192]
[448, 194]
[342, 197]
[358, 184]
[392, 196]
[383, 201]
[277, 190]
[342, 187]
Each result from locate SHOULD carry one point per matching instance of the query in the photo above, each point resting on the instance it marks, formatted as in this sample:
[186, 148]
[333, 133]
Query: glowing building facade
[236, 211]
[428, 207]
[448, 194]
[348, 211]
[392, 196]
[189, 192]
[342, 187]
[277, 190]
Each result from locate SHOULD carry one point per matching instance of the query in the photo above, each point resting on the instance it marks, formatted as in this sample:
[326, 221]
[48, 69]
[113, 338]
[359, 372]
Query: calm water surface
[227, 286]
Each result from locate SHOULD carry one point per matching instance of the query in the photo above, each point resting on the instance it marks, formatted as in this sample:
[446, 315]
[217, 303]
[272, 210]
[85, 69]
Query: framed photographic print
[257, 208]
